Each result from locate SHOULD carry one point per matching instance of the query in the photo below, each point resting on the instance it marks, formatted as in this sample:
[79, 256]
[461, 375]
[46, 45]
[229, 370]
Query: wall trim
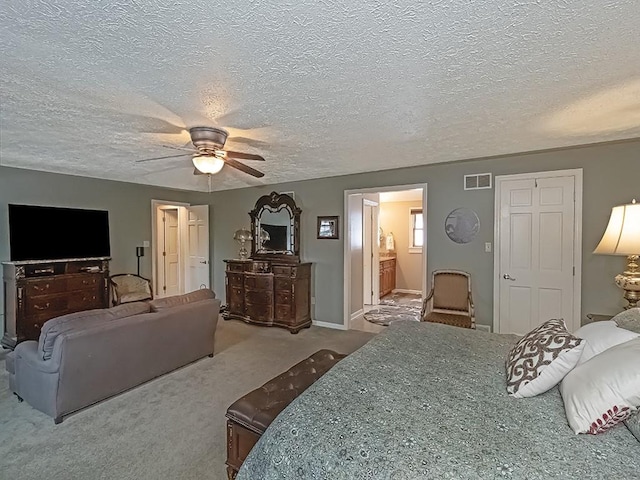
[484, 328]
[406, 290]
[355, 315]
[335, 326]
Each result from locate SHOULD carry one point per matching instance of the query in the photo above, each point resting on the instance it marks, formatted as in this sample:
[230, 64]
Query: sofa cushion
[10, 363]
[80, 320]
[160, 304]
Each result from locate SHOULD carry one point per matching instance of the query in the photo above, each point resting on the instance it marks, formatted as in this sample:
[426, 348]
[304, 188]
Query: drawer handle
[35, 325]
[39, 271]
[46, 306]
[42, 289]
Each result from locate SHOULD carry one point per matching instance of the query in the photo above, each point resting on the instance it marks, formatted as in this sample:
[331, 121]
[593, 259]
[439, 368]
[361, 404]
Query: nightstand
[596, 317]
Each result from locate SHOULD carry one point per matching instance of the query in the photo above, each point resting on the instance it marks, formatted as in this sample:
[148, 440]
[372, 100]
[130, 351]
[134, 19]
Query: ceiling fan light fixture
[210, 165]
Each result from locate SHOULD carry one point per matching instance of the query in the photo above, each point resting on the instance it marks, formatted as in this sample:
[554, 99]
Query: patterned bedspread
[428, 401]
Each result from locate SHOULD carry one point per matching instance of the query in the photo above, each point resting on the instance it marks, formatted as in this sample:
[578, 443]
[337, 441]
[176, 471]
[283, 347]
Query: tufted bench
[249, 416]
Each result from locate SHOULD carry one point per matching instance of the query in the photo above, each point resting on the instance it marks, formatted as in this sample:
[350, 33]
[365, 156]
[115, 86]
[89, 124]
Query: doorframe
[155, 205]
[577, 173]
[375, 250]
[346, 303]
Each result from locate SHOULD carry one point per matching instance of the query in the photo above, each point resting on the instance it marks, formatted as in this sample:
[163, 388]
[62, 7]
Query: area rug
[386, 315]
[396, 307]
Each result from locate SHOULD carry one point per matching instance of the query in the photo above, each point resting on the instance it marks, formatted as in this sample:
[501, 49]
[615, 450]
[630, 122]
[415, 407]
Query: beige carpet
[170, 428]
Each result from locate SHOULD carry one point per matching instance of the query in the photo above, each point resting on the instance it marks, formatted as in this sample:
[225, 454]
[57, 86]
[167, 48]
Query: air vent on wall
[477, 181]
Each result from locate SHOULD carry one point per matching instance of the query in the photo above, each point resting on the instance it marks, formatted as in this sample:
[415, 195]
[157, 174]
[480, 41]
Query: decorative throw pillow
[160, 304]
[600, 336]
[541, 359]
[629, 319]
[603, 391]
[633, 424]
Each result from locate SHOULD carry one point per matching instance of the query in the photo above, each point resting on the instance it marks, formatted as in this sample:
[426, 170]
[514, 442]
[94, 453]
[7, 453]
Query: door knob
[506, 276]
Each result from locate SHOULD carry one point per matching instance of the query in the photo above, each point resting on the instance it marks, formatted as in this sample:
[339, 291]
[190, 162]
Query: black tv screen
[54, 233]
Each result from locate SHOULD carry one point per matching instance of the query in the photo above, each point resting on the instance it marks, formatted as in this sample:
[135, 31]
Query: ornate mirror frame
[275, 202]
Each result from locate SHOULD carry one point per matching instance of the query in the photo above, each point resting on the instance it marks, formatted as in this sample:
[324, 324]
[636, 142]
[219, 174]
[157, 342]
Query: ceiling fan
[207, 153]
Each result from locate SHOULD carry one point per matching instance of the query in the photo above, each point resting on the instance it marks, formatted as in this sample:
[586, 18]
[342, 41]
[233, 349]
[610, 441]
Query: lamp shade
[210, 165]
[622, 236]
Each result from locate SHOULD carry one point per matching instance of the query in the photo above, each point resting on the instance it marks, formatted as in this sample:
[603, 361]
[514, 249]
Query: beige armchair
[127, 287]
[450, 301]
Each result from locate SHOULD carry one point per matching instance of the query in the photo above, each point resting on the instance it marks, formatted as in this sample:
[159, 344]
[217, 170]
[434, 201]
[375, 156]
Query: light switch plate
[487, 247]
[146, 244]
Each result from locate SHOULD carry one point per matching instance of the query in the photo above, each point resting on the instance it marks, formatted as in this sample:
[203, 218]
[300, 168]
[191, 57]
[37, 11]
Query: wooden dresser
[387, 275]
[265, 292]
[35, 292]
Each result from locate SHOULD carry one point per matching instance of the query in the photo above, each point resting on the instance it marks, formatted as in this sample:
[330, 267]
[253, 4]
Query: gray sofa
[86, 357]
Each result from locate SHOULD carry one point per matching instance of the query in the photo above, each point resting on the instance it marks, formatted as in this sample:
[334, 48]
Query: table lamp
[242, 236]
[622, 237]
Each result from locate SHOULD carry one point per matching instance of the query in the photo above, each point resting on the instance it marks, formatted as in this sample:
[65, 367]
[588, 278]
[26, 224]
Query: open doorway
[385, 254]
[179, 247]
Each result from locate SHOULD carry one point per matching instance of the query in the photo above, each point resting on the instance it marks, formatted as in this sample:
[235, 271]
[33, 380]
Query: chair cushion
[257, 409]
[451, 291]
[131, 288]
[159, 304]
[80, 320]
[463, 321]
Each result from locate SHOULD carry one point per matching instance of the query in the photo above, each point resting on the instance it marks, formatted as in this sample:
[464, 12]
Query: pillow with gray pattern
[629, 319]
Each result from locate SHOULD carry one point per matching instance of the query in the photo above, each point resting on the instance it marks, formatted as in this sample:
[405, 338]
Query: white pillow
[603, 391]
[601, 336]
[541, 359]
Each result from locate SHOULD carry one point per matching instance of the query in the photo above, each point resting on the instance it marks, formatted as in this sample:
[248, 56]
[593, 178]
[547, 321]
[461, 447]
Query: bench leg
[231, 473]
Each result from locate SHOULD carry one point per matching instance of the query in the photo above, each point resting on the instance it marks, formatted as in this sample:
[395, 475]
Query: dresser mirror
[275, 226]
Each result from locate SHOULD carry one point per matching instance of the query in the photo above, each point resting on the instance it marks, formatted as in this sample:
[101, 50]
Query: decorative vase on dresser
[273, 287]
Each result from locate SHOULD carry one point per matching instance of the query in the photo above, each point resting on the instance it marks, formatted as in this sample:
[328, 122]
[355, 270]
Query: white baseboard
[406, 290]
[337, 326]
[484, 328]
[357, 314]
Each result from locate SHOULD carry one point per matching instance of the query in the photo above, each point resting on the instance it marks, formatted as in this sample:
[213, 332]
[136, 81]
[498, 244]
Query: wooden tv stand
[37, 291]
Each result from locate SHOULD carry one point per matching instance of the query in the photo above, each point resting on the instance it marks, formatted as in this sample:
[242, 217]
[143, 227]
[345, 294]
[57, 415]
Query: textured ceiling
[322, 87]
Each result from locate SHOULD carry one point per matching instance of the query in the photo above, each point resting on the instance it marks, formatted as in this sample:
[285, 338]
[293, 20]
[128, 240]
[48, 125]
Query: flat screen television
[55, 233]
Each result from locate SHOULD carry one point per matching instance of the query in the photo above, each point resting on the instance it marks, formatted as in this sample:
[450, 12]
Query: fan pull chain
[209, 182]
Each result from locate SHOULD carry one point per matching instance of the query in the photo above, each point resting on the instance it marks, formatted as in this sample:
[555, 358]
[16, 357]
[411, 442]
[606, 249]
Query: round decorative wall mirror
[462, 225]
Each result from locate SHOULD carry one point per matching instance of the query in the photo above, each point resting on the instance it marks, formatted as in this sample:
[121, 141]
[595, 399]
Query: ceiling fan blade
[162, 158]
[244, 156]
[186, 148]
[243, 168]
[248, 141]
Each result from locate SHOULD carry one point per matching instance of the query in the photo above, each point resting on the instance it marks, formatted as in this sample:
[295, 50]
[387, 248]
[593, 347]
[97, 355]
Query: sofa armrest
[27, 354]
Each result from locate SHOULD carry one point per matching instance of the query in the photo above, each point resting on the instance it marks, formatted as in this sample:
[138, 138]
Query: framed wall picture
[328, 227]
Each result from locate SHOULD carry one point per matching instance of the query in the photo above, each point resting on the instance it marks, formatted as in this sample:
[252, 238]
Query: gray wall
[610, 178]
[129, 207]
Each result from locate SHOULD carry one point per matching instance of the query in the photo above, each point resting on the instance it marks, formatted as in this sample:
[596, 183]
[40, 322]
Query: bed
[424, 400]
